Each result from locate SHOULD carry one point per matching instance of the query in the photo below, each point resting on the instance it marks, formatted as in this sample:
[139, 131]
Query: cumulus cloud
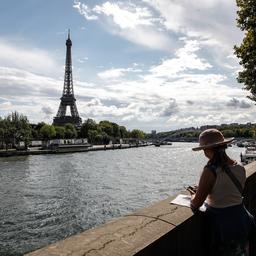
[126, 15]
[171, 109]
[114, 73]
[131, 21]
[27, 58]
[236, 103]
[7, 106]
[201, 19]
[84, 10]
[190, 102]
[186, 59]
[181, 86]
[16, 82]
[47, 110]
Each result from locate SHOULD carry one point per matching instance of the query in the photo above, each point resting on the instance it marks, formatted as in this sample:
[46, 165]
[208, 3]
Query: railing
[161, 229]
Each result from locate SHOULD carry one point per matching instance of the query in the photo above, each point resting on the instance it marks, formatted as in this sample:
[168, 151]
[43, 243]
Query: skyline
[148, 64]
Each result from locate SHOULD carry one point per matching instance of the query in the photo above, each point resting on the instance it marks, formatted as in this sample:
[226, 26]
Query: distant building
[204, 127]
[153, 133]
[234, 124]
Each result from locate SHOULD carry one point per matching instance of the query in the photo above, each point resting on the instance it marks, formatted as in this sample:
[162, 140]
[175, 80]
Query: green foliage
[105, 131]
[15, 128]
[246, 52]
[107, 127]
[47, 132]
[123, 132]
[70, 131]
[116, 130]
[138, 134]
[105, 138]
[228, 133]
[88, 125]
[93, 136]
[6, 132]
[60, 132]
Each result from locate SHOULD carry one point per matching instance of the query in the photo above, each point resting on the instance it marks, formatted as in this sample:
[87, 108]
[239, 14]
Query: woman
[221, 184]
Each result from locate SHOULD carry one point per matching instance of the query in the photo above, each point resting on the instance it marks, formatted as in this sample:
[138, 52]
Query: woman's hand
[191, 189]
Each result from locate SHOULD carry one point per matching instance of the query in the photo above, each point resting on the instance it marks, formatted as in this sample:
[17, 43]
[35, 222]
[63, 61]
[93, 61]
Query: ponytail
[220, 157]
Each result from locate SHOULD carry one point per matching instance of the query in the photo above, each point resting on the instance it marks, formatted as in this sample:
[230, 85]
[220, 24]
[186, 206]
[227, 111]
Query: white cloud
[48, 110]
[236, 103]
[148, 37]
[30, 59]
[170, 109]
[135, 23]
[84, 10]
[185, 59]
[187, 87]
[82, 60]
[6, 106]
[126, 15]
[211, 19]
[114, 73]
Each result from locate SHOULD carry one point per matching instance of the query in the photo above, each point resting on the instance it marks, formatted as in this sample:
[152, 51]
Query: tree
[105, 138]
[25, 131]
[123, 132]
[138, 134]
[228, 133]
[47, 132]
[60, 132]
[88, 125]
[116, 130]
[70, 131]
[18, 129]
[106, 127]
[92, 135]
[246, 52]
[6, 132]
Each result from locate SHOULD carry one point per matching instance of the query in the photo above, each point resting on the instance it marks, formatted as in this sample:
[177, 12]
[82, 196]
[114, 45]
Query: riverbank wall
[69, 149]
[160, 229]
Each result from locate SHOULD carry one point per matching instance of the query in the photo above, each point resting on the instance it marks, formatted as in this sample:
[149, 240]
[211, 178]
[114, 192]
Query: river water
[46, 198]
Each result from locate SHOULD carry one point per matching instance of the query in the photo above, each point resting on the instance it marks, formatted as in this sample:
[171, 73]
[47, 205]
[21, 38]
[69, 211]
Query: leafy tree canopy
[48, 132]
[136, 133]
[246, 52]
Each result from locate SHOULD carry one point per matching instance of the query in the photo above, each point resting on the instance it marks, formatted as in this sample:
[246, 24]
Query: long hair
[220, 158]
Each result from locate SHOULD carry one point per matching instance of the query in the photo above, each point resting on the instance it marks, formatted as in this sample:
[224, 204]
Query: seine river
[46, 198]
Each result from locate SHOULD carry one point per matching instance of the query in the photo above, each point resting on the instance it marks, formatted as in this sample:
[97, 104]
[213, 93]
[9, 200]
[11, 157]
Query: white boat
[249, 155]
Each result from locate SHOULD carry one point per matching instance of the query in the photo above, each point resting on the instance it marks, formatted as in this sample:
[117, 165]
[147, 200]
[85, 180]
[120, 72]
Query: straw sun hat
[211, 138]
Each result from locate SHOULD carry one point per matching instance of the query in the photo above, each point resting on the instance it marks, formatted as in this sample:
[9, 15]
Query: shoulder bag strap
[233, 178]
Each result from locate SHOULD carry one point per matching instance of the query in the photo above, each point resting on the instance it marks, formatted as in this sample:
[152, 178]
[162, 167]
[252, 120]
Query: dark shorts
[229, 223]
[229, 227]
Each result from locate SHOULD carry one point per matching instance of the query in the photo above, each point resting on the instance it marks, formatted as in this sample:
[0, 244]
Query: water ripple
[46, 198]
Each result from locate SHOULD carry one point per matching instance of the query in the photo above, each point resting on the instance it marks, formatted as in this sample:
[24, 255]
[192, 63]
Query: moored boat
[249, 155]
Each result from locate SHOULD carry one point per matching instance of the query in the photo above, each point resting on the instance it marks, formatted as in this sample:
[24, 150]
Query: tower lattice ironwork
[68, 98]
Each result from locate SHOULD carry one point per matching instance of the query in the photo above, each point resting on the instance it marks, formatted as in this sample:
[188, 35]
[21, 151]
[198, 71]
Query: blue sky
[148, 64]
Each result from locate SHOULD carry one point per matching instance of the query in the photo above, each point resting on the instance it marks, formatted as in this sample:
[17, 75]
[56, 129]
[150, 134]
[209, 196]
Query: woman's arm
[206, 183]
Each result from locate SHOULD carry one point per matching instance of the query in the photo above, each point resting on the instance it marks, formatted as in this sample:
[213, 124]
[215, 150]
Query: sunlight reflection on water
[46, 198]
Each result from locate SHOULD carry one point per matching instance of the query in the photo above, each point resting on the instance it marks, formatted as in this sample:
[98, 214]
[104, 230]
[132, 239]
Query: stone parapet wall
[160, 229]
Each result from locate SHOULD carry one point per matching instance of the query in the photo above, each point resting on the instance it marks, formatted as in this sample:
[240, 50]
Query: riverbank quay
[68, 149]
[160, 229]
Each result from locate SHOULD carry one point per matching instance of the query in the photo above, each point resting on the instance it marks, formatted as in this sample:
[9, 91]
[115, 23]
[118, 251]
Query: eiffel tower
[68, 98]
